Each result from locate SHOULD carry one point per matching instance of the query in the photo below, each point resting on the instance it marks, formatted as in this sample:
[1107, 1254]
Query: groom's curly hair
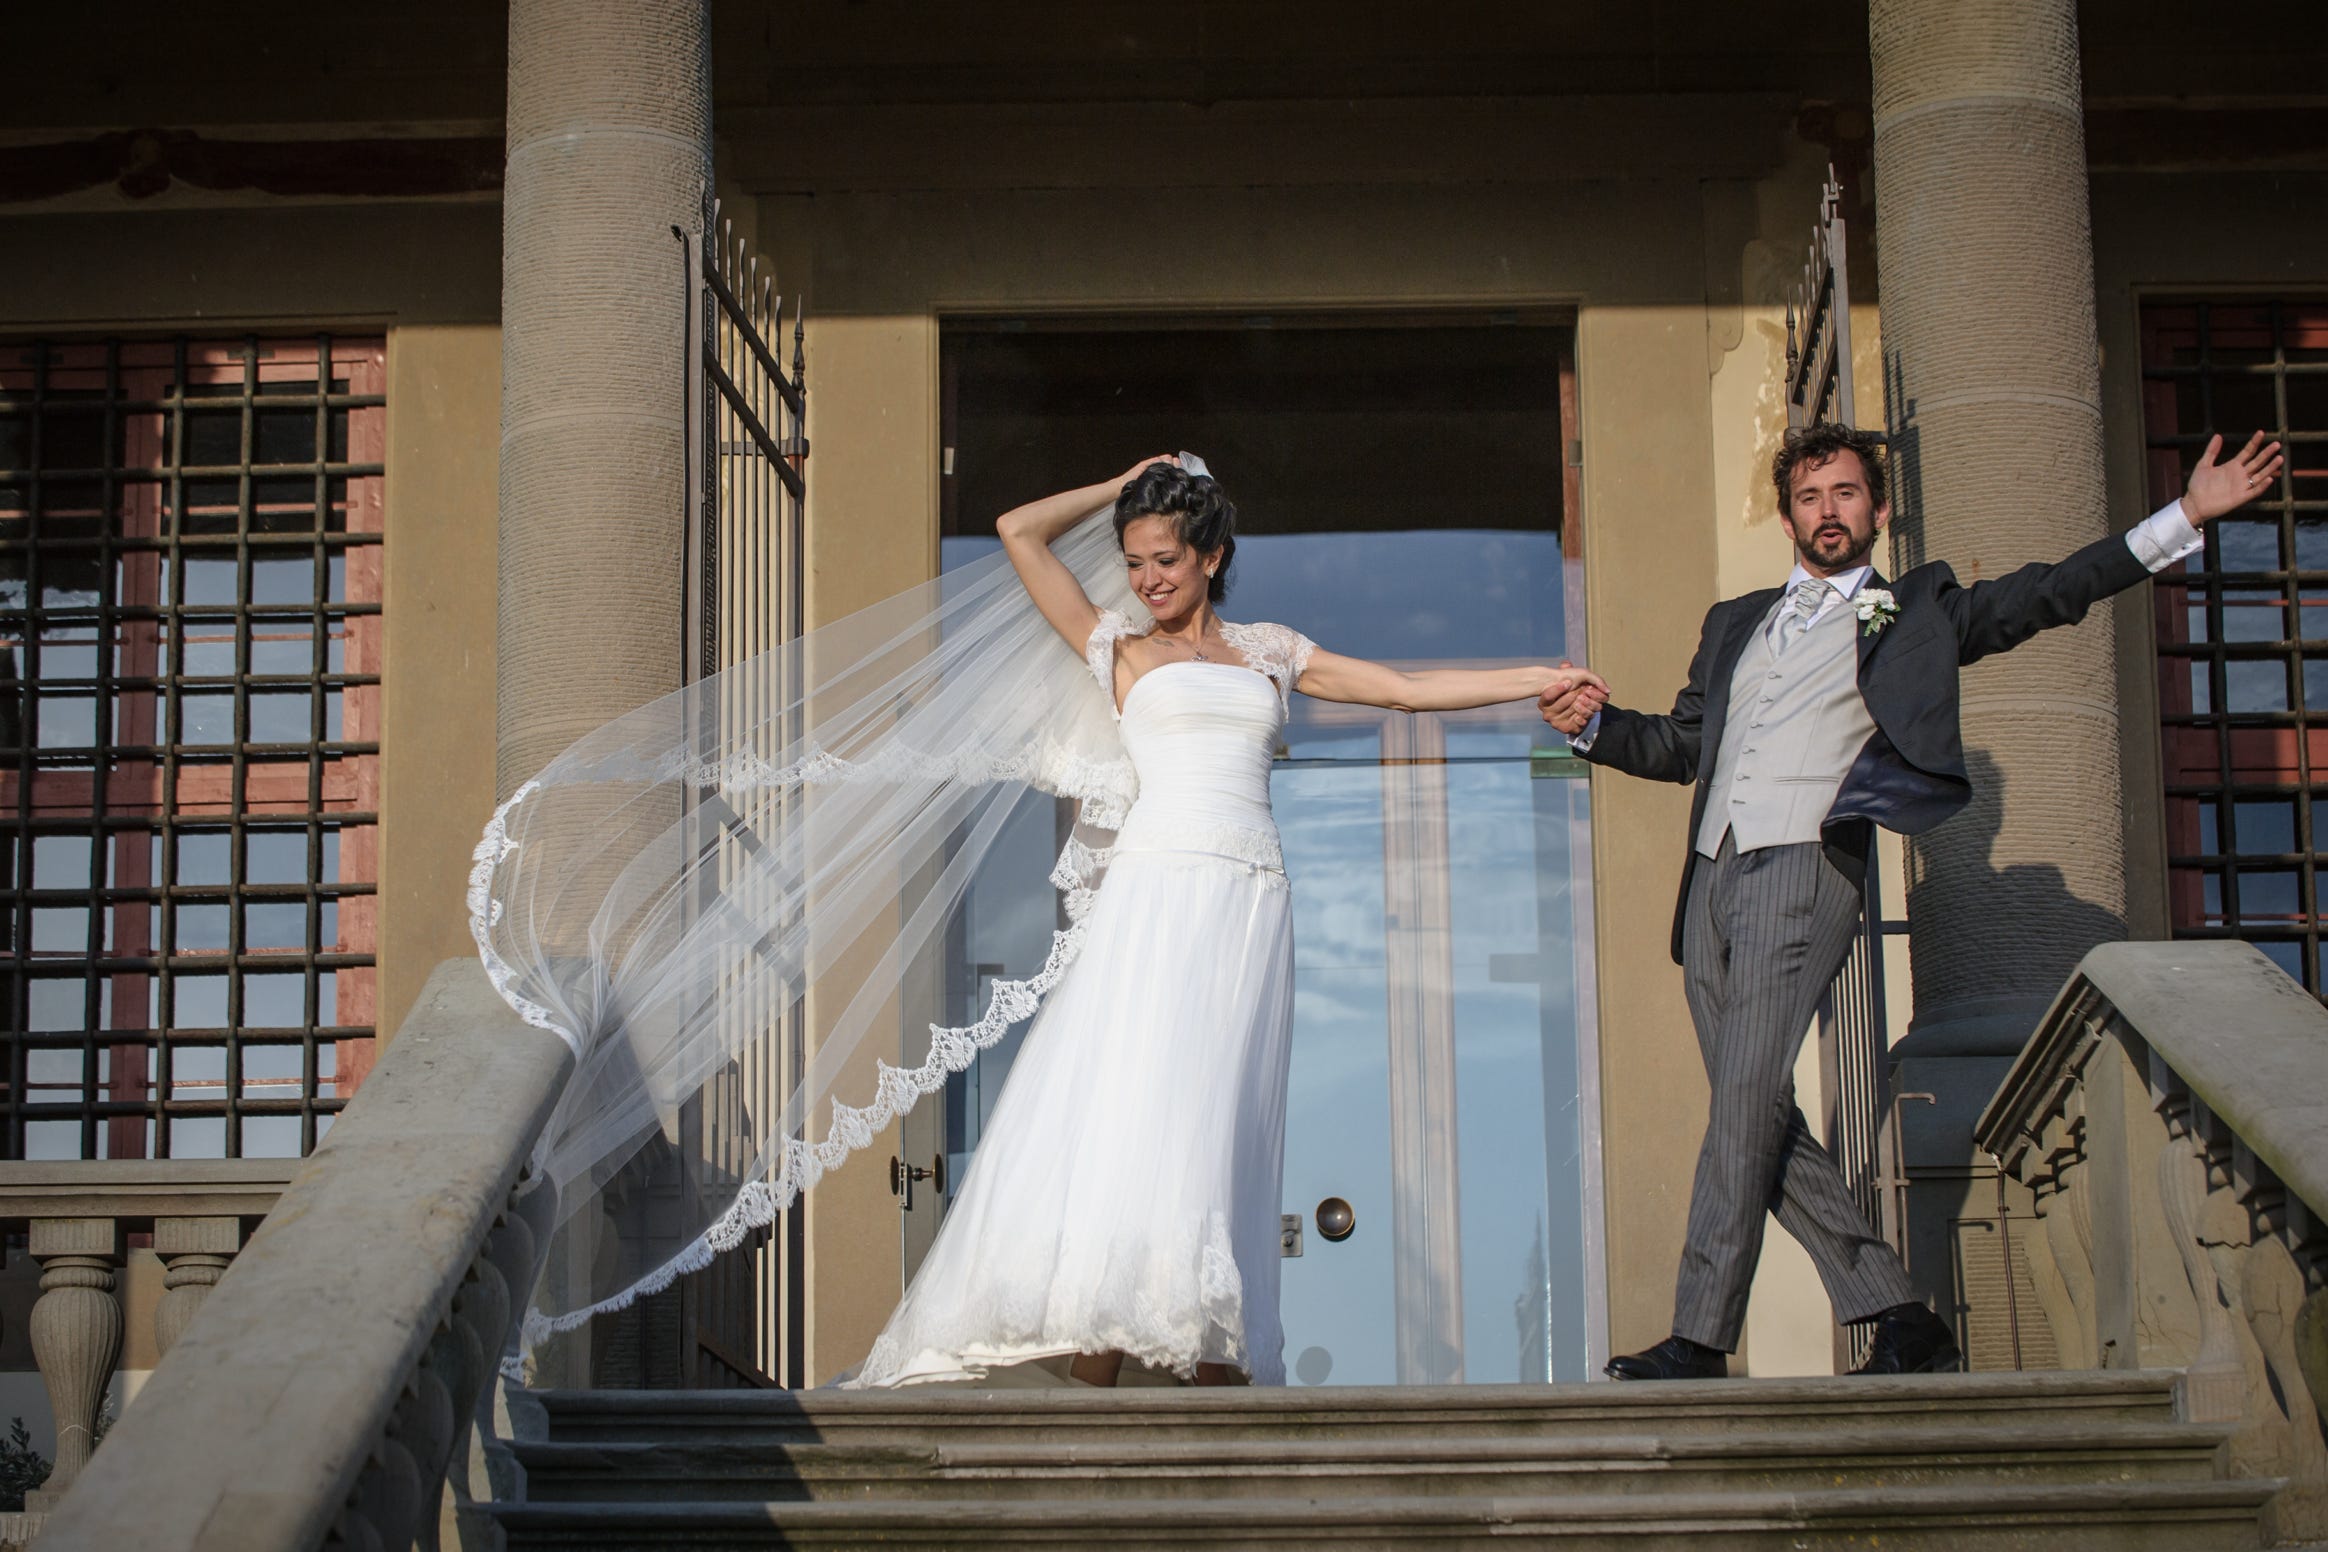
[1200, 512]
[1815, 445]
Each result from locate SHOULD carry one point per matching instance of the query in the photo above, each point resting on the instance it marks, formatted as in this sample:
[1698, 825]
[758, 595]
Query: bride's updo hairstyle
[1201, 514]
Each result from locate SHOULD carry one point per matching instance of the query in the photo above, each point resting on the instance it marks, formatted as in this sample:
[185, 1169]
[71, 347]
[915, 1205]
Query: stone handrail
[78, 1215]
[2169, 1121]
[320, 1395]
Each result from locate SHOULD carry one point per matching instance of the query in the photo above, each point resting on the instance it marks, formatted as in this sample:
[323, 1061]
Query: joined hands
[1571, 699]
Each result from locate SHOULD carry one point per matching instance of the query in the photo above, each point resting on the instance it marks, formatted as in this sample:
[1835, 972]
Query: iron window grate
[2242, 626]
[190, 551]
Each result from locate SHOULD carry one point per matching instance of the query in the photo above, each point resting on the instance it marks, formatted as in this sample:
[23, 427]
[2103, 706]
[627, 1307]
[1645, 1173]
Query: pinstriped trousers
[1764, 934]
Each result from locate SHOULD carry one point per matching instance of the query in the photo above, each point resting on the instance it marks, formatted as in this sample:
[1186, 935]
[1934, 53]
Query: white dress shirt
[2158, 541]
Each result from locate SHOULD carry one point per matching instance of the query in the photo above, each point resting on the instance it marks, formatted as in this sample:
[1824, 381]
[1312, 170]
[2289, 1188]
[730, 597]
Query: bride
[1125, 1200]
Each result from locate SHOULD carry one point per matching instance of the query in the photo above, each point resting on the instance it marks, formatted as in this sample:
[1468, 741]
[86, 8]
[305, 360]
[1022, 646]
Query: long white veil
[784, 841]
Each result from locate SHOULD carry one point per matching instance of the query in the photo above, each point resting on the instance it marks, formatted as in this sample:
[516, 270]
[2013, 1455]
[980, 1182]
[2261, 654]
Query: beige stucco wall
[437, 602]
[873, 433]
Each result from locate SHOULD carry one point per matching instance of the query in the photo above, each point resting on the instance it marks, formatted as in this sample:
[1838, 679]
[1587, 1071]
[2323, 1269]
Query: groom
[1814, 712]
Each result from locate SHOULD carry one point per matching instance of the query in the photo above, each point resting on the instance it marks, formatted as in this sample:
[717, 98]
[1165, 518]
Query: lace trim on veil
[895, 1090]
[1104, 793]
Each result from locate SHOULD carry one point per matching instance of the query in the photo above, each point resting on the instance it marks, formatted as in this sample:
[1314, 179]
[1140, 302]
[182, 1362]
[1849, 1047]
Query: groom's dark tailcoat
[1759, 934]
[1910, 776]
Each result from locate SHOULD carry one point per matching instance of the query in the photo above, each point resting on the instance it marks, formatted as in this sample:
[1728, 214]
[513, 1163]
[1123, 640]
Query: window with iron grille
[189, 709]
[2243, 626]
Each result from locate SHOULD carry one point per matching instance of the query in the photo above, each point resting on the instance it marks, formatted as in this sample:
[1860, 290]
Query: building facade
[319, 457]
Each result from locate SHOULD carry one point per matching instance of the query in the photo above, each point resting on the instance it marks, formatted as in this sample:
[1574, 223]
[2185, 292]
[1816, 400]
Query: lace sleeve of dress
[1277, 650]
[1297, 655]
[1099, 651]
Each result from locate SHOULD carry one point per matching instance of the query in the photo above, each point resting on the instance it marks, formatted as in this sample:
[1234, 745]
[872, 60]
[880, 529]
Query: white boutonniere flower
[1876, 609]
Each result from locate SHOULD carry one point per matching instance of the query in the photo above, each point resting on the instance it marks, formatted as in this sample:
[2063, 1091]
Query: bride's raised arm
[1027, 535]
[1333, 677]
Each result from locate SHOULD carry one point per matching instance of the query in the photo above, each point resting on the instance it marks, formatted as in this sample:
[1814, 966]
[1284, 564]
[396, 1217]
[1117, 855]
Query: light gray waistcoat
[1796, 722]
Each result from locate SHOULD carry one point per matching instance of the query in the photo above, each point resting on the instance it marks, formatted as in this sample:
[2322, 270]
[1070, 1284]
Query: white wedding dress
[1126, 1194]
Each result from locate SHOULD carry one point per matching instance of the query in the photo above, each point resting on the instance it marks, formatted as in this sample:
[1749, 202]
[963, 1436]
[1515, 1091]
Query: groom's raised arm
[1657, 748]
[1998, 615]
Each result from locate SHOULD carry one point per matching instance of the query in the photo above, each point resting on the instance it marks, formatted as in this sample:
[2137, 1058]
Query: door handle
[902, 1176]
[1337, 1219]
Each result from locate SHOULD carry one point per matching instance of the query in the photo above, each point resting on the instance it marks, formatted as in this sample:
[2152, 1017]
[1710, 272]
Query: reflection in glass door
[1442, 898]
[1406, 493]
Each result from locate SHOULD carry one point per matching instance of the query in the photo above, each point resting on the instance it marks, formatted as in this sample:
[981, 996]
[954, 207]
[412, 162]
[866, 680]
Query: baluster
[424, 1423]
[195, 1253]
[2271, 1291]
[2051, 1288]
[2312, 1346]
[2214, 1383]
[76, 1336]
[390, 1491]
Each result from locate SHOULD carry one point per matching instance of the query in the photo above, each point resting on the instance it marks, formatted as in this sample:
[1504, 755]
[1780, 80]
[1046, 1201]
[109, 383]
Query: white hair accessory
[1192, 464]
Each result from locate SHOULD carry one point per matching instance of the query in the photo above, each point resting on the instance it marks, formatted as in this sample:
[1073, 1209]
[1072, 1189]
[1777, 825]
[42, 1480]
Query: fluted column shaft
[1994, 393]
[609, 124]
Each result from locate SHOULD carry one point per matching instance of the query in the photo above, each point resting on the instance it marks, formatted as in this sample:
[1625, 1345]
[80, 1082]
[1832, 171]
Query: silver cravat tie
[1802, 604]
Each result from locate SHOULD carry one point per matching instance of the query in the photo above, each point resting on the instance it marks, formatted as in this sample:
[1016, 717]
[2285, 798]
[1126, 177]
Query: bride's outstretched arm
[1027, 535]
[1333, 677]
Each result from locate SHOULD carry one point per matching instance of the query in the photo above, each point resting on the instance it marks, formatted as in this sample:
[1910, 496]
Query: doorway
[1406, 491]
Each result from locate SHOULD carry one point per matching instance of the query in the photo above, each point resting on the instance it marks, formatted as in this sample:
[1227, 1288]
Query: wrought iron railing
[744, 1322]
[747, 483]
[1854, 1022]
[1818, 323]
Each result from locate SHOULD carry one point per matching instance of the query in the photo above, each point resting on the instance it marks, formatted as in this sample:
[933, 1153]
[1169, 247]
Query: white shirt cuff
[1583, 741]
[2164, 537]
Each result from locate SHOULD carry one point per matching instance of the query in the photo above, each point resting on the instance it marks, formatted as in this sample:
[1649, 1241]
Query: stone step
[1369, 1466]
[1867, 1406]
[2113, 1517]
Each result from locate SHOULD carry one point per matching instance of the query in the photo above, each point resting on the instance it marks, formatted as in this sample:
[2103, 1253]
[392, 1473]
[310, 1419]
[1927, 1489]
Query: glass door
[1406, 492]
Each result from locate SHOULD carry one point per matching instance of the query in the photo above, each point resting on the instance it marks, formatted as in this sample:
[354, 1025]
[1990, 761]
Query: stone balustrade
[78, 1216]
[2169, 1120]
[339, 1368]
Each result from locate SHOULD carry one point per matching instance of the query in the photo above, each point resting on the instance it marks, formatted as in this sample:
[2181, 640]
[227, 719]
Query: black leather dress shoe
[1910, 1339]
[1675, 1358]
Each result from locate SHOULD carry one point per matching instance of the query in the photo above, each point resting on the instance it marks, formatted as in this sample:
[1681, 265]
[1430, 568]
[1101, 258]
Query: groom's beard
[1854, 550]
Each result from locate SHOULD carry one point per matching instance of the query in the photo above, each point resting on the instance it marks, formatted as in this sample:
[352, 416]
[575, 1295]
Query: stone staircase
[1970, 1463]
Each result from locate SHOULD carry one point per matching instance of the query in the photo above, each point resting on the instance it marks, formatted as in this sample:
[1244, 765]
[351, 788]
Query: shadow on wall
[2036, 890]
[1902, 464]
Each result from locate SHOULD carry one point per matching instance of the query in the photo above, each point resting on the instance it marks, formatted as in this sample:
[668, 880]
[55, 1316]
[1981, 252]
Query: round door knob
[1336, 1218]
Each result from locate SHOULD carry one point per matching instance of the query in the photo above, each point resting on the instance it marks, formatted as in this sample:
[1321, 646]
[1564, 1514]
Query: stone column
[609, 147]
[1993, 384]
